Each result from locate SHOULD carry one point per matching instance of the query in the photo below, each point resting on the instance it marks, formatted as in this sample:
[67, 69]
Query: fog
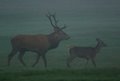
[86, 20]
[22, 16]
[30, 5]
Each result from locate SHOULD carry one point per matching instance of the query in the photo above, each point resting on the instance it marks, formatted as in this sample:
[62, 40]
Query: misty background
[86, 20]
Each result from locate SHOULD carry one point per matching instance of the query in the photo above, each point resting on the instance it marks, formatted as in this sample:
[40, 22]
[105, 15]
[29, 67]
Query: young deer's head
[100, 43]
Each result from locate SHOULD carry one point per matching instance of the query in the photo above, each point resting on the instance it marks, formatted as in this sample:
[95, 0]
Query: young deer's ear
[97, 39]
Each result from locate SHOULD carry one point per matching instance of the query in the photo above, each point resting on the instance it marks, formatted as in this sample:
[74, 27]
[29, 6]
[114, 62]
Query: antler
[49, 17]
[52, 17]
[64, 27]
[55, 24]
[55, 20]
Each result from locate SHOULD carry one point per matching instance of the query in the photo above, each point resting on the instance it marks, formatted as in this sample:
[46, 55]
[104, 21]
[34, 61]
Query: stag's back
[30, 42]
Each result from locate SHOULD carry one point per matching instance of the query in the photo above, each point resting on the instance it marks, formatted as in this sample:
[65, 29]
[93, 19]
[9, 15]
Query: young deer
[88, 53]
[39, 44]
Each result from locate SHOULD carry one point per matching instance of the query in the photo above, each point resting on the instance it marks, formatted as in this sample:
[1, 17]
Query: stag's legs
[93, 61]
[45, 60]
[37, 60]
[20, 57]
[69, 60]
[11, 55]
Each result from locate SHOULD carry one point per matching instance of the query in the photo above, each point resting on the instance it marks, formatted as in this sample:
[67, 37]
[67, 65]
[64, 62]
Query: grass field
[103, 74]
[107, 64]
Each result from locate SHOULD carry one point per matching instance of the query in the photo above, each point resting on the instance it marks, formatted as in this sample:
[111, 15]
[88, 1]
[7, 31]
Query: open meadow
[105, 74]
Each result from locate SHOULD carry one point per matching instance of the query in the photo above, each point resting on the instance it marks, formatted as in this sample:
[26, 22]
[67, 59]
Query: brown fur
[40, 44]
[30, 42]
[88, 53]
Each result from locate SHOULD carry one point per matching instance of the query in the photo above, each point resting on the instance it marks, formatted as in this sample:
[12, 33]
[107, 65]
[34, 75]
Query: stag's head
[58, 31]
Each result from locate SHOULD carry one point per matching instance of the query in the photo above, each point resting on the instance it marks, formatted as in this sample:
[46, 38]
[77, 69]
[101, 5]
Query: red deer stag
[39, 44]
[88, 53]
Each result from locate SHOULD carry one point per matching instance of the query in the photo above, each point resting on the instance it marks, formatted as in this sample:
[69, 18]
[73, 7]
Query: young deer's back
[84, 52]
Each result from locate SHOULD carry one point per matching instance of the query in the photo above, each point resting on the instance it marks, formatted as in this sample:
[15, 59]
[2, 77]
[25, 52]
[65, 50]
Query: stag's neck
[54, 42]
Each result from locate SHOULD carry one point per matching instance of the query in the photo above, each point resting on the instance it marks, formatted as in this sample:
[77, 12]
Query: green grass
[101, 74]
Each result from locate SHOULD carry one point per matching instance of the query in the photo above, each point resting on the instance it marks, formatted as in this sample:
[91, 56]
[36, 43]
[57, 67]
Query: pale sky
[57, 5]
[22, 13]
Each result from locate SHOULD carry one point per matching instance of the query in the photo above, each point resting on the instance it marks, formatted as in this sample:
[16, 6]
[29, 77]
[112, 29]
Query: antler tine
[54, 17]
[49, 17]
[64, 27]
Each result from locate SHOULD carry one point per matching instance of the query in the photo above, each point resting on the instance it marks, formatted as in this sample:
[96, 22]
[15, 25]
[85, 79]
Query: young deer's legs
[86, 61]
[93, 61]
[69, 60]
[11, 55]
[20, 57]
